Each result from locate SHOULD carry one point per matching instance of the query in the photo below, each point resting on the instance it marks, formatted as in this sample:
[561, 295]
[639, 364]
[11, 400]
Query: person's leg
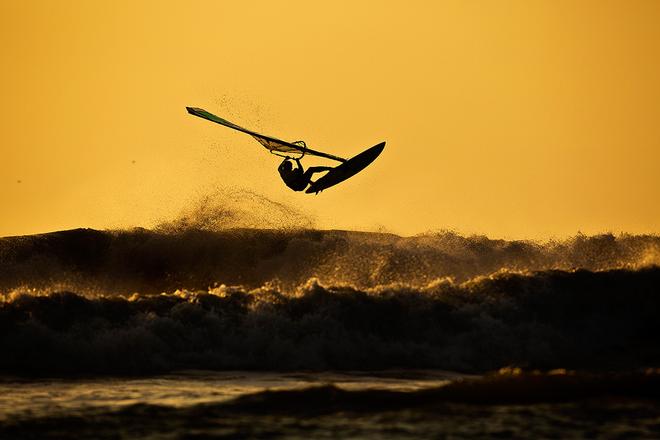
[318, 169]
[311, 170]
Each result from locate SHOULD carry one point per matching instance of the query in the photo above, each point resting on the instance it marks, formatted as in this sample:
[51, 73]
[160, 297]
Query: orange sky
[517, 119]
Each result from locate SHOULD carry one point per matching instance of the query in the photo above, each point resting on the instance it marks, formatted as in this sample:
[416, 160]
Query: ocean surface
[186, 332]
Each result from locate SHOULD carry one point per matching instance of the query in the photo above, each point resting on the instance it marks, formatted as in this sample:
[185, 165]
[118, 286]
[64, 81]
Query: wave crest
[547, 319]
[140, 260]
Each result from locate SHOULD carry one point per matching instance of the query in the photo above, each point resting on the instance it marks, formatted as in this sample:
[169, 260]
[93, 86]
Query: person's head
[286, 165]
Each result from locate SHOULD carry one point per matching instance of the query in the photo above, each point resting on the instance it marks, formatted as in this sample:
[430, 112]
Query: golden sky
[516, 119]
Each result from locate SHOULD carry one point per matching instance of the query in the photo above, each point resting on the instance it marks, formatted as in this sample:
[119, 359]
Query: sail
[271, 143]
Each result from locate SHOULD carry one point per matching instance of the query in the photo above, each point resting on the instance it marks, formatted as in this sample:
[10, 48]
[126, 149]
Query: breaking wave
[544, 319]
[185, 255]
[199, 293]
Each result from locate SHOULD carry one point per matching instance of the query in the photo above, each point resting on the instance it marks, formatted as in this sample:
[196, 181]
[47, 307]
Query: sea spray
[146, 261]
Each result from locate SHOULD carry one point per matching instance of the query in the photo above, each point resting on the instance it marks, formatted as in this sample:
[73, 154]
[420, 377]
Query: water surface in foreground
[393, 404]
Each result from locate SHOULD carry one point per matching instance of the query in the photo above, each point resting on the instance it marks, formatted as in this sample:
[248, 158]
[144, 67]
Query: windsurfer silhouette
[297, 178]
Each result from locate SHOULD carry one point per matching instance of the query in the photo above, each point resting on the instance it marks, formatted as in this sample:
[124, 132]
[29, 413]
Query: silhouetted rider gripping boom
[297, 178]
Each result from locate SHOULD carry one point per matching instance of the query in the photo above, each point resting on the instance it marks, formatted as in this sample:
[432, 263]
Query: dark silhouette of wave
[494, 389]
[545, 319]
